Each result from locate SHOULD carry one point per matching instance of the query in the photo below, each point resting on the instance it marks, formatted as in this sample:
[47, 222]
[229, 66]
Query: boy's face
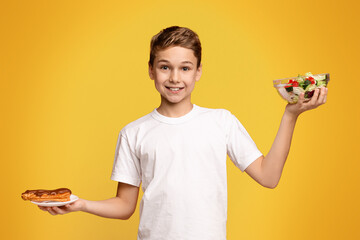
[175, 72]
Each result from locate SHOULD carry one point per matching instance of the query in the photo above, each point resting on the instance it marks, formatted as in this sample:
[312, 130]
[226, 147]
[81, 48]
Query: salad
[291, 88]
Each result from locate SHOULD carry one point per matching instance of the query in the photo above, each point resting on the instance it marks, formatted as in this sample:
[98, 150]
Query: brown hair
[175, 36]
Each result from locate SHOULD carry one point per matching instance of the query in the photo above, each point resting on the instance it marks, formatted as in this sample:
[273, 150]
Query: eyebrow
[166, 61]
[187, 62]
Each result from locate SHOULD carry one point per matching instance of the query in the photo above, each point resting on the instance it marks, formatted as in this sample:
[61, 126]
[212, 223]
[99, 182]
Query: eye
[164, 67]
[185, 69]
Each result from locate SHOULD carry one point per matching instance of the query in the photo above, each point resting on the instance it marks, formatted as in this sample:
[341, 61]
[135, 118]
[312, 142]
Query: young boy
[178, 152]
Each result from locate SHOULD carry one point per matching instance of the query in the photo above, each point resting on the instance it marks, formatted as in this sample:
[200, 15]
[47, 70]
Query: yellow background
[73, 73]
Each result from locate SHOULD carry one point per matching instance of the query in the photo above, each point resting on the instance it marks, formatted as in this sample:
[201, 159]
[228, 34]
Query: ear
[151, 72]
[198, 72]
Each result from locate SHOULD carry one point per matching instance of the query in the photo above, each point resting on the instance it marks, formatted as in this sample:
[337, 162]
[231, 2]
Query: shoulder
[215, 113]
[135, 126]
[223, 118]
[219, 117]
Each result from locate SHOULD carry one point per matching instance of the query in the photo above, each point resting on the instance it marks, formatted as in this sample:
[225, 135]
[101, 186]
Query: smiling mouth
[175, 88]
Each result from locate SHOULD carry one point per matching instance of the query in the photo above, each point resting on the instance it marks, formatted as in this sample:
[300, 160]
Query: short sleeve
[126, 167]
[240, 147]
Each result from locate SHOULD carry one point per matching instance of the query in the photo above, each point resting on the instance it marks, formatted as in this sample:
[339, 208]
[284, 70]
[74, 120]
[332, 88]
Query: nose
[174, 76]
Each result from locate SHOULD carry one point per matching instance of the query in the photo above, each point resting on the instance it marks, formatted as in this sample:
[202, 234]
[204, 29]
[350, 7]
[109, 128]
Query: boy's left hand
[303, 104]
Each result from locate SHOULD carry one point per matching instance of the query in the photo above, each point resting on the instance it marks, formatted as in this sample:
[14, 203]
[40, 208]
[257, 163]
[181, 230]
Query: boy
[178, 152]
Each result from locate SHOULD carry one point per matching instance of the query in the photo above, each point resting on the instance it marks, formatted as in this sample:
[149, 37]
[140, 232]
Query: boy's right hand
[120, 207]
[78, 205]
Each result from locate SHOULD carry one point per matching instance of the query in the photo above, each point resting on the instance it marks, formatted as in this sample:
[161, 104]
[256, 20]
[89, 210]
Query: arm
[120, 207]
[267, 170]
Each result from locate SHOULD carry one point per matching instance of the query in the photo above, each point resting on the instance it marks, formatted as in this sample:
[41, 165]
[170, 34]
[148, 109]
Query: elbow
[124, 209]
[270, 184]
[126, 215]
[129, 214]
[271, 181]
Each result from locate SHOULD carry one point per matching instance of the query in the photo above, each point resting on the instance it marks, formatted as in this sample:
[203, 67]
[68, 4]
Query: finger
[68, 207]
[315, 97]
[42, 208]
[59, 210]
[322, 95]
[51, 211]
[301, 98]
[326, 89]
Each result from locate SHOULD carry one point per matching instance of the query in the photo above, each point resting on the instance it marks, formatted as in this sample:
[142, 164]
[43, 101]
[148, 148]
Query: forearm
[110, 208]
[273, 163]
[120, 207]
[267, 170]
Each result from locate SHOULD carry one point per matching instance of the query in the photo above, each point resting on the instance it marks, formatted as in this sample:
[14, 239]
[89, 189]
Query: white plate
[73, 198]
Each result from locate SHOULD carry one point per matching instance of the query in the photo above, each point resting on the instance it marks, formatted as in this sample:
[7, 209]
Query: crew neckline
[175, 120]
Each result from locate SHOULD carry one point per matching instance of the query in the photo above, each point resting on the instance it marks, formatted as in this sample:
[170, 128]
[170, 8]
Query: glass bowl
[291, 88]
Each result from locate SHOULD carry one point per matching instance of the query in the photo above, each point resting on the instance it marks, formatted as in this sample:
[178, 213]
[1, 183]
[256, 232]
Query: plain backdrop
[74, 73]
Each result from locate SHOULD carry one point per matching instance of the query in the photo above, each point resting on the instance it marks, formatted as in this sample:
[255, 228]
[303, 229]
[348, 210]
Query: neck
[174, 109]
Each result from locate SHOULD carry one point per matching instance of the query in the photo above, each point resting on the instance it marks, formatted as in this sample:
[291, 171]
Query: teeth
[174, 89]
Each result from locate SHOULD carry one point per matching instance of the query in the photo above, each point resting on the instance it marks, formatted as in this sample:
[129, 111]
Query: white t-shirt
[181, 163]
